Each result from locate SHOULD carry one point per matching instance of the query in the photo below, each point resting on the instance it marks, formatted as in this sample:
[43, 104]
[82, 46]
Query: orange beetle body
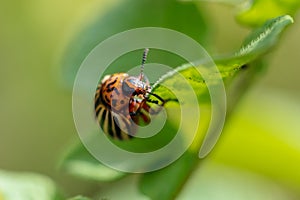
[122, 103]
[119, 99]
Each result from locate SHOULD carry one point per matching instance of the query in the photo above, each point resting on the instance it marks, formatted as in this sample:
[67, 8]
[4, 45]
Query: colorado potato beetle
[121, 100]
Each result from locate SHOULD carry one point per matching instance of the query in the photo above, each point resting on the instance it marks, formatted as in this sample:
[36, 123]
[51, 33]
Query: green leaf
[79, 198]
[264, 133]
[79, 162]
[247, 60]
[256, 44]
[262, 39]
[166, 183]
[262, 10]
[131, 14]
[126, 188]
[243, 164]
[215, 181]
[27, 186]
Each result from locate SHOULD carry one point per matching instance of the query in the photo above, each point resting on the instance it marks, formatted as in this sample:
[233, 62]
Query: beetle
[121, 100]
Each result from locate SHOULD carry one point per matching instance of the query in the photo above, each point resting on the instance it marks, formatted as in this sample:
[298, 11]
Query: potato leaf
[260, 11]
[27, 186]
[255, 46]
[263, 133]
[79, 162]
[79, 198]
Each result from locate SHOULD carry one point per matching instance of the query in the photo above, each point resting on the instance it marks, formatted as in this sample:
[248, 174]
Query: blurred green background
[35, 112]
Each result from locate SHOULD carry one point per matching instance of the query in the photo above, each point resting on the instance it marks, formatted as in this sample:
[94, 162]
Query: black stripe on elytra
[97, 100]
[110, 131]
[128, 129]
[103, 99]
[98, 111]
[102, 118]
[96, 104]
[118, 130]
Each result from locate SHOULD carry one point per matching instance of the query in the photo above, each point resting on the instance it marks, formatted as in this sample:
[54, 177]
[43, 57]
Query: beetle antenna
[143, 63]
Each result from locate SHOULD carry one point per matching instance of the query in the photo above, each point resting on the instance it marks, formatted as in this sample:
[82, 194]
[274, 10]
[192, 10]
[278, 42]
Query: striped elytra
[122, 100]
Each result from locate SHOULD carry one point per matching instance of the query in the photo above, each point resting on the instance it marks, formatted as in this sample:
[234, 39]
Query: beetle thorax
[123, 93]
